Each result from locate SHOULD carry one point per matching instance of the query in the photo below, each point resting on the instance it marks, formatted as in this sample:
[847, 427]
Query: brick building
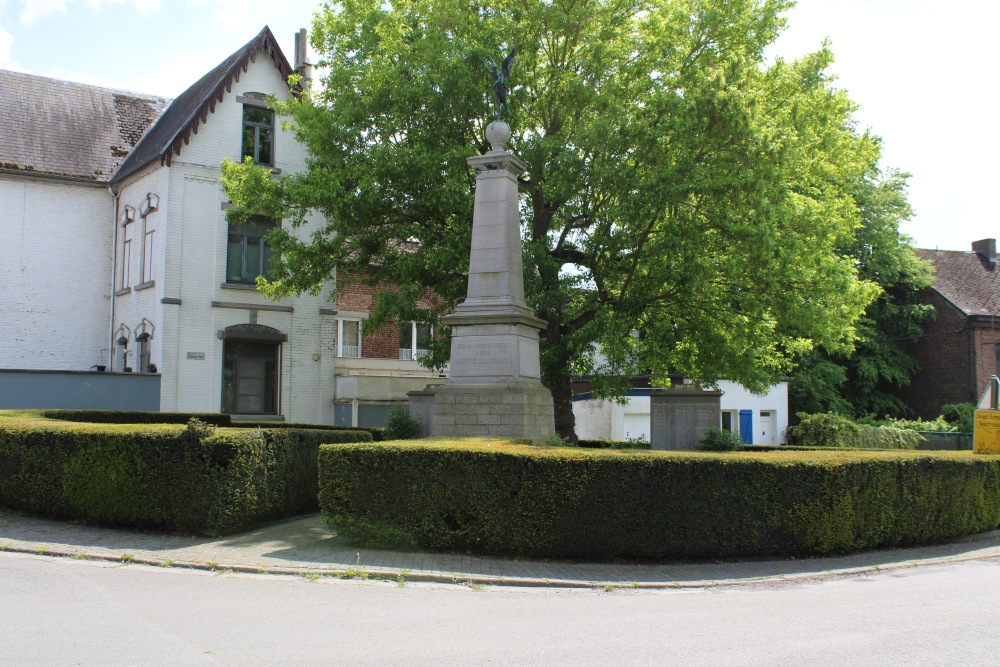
[959, 350]
[118, 254]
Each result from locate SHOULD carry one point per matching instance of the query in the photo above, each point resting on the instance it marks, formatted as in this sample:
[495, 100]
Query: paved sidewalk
[305, 546]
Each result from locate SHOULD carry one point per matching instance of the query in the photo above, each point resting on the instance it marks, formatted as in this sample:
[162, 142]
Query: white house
[117, 253]
[760, 419]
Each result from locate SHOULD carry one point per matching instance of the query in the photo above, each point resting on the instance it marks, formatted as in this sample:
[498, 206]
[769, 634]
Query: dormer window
[258, 134]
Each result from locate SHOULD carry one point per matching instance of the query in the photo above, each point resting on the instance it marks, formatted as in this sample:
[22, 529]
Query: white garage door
[636, 426]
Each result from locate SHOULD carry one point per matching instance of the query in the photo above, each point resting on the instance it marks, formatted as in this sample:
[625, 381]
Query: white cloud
[168, 80]
[6, 41]
[32, 10]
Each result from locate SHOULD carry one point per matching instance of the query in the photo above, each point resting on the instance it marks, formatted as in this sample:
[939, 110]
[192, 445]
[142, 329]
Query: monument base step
[514, 410]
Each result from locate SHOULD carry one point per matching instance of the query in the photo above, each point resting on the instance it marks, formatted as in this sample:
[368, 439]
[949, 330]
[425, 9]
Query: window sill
[123, 292]
[242, 286]
[151, 283]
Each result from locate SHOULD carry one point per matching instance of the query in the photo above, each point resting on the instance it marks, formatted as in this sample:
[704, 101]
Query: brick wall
[949, 369]
[354, 296]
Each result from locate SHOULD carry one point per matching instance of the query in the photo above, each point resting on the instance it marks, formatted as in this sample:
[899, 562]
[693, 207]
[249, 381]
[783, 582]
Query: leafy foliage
[717, 440]
[832, 430]
[865, 380]
[401, 426]
[677, 185]
[962, 415]
[497, 498]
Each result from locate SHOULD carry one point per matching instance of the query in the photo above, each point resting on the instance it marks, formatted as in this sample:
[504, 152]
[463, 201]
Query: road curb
[404, 575]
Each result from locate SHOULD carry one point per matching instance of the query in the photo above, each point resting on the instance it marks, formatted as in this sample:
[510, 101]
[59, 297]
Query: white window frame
[127, 233]
[414, 353]
[149, 228]
[340, 339]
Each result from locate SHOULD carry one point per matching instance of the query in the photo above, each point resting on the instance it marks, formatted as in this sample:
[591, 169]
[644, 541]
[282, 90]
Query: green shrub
[503, 499]
[401, 426]
[962, 415]
[717, 440]
[833, 430]
[939, 425]
[193, 479]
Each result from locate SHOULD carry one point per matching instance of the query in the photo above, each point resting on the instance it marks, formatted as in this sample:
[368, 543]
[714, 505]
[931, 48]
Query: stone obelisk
[494, 387]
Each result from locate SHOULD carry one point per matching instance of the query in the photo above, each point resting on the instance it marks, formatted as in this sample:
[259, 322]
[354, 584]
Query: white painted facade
[599, 419]
[93, 274]
[55, 264]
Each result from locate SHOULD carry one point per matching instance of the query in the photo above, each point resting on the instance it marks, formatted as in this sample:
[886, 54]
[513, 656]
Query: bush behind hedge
[574, 503]
[161, 477]
[833, 430]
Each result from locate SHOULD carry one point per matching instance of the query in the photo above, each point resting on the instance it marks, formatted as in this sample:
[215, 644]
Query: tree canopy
[679, 185]
[867, 380]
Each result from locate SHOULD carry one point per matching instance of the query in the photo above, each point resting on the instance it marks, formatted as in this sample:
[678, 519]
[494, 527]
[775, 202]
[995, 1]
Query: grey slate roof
[192, 107]
[966, 279]
[62, 128]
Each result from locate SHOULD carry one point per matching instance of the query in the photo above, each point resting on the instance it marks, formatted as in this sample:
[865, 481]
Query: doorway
[250, 378]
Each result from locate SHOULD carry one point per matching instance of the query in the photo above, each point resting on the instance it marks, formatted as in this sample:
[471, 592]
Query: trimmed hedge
[162, 477]
[376, 432]
[506, 499]
[136, 417]
[612, 444]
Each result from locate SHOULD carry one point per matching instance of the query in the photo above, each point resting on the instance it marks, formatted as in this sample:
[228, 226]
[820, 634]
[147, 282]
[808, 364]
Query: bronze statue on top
[500, 76]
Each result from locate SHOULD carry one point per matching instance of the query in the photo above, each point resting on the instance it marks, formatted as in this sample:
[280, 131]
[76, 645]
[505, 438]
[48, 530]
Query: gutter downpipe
[114, 263]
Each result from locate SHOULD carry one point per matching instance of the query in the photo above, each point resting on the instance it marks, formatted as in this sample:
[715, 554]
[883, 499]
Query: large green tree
[678, 185]
[866, 380]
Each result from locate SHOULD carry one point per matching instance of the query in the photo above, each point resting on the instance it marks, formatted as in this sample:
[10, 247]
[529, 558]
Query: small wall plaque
[196, 355]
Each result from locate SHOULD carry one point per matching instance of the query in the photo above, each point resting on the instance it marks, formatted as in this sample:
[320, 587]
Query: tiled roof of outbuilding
[62, 128]
[192, 107]
[966, 279]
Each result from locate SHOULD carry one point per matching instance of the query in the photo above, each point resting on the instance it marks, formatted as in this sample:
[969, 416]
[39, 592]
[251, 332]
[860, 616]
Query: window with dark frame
[143, 352]
[248, 254]
[258, 134]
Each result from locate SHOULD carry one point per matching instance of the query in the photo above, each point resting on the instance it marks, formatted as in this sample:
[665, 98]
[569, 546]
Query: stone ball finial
[498, 134]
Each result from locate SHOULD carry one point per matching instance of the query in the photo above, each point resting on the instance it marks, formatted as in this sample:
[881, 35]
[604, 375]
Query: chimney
[302, 66]
[987, 249]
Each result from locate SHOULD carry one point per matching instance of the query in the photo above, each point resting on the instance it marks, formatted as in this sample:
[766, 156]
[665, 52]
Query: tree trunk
[562, 401]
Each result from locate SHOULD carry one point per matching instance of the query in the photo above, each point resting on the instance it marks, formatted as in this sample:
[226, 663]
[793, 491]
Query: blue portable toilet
[746, 427]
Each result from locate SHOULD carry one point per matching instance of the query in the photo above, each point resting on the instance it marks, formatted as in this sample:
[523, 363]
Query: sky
[921, 71]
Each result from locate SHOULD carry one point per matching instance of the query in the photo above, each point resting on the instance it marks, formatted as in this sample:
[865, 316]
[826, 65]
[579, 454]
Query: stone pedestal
[494, 387]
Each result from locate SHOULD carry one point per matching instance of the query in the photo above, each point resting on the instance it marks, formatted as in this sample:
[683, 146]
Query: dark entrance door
[250, 378]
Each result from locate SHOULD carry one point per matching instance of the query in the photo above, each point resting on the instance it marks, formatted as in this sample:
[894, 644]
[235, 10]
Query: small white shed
[760, 419]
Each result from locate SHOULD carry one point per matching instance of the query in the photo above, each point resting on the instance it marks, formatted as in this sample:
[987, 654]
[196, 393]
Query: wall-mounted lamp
[151, 204]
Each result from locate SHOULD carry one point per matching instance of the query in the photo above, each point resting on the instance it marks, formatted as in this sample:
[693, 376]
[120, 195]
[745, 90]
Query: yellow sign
[986, 436]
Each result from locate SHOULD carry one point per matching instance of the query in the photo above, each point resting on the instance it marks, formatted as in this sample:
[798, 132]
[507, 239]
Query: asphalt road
[58, 611]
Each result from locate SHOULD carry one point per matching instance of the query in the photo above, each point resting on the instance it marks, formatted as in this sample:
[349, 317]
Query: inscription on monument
[484, 356]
